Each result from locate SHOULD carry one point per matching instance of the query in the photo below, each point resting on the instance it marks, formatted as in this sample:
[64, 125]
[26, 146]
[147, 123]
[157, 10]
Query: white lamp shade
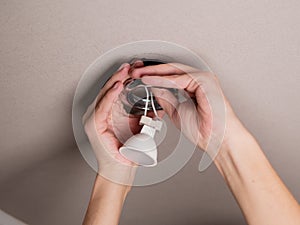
[140, 149]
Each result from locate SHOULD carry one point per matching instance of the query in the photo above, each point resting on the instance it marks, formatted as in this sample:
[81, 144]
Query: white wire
[153, 105]
[147, 101]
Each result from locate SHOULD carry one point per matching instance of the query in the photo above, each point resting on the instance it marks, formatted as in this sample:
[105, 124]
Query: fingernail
[122, 67]
[116, 85]
[136, 62]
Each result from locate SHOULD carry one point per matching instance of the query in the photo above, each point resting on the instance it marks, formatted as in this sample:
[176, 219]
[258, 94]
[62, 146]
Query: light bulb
[141, 148]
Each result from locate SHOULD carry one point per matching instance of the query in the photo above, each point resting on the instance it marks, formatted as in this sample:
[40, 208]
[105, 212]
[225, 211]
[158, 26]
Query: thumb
[106, 103]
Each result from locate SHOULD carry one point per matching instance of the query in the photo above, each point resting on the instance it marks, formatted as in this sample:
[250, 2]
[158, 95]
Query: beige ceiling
[253, 47]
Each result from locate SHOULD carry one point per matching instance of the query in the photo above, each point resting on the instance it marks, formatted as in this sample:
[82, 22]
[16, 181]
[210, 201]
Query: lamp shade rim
[141, 142]
[144, 158]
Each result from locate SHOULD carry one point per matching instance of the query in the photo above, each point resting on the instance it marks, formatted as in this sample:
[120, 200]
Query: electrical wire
[153, 105]
[147, 101]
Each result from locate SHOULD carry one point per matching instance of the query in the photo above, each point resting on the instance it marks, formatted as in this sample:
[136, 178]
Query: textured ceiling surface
[253, 47]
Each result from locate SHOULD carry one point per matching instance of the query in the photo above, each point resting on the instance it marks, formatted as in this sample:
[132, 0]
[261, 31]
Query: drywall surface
[253, 47]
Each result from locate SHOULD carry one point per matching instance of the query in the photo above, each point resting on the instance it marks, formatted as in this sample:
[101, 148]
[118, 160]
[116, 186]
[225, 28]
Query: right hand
[195, 120]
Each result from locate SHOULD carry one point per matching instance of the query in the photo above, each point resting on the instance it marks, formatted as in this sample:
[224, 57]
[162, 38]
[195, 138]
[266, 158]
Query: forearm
[106, 202]
[261, 194]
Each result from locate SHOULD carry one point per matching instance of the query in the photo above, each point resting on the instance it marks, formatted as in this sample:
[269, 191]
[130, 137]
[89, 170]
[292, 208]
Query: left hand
[104, 121]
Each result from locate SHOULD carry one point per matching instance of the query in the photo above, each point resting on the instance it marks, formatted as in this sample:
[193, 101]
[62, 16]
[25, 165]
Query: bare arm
[106, 202]
[115, 173]
[261, 194]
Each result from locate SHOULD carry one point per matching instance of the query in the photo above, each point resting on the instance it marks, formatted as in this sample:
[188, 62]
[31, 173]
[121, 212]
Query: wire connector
[156, 124]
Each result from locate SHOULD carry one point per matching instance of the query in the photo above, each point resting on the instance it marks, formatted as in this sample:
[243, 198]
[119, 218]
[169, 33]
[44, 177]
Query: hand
[104, 120]
[249, 175]
[195, 120]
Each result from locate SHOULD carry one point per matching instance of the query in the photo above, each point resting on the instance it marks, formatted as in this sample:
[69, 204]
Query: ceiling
[252, 46]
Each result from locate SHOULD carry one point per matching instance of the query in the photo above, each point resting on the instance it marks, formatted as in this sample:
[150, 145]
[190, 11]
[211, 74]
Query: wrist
[105, 188]
[106, 202]
[118, 173]
[237, 148]
[236, 138]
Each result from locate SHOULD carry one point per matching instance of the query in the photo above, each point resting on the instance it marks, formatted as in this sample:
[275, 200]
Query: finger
[161, 69]
[134, 65]
[137, 64]
[167, 101]
[160, 114]
[198, 84]
[120, 75]
[189, 82]
[170, 81]
[106, 103]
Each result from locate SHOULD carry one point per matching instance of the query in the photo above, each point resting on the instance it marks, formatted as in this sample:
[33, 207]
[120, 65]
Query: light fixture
[141, 148]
